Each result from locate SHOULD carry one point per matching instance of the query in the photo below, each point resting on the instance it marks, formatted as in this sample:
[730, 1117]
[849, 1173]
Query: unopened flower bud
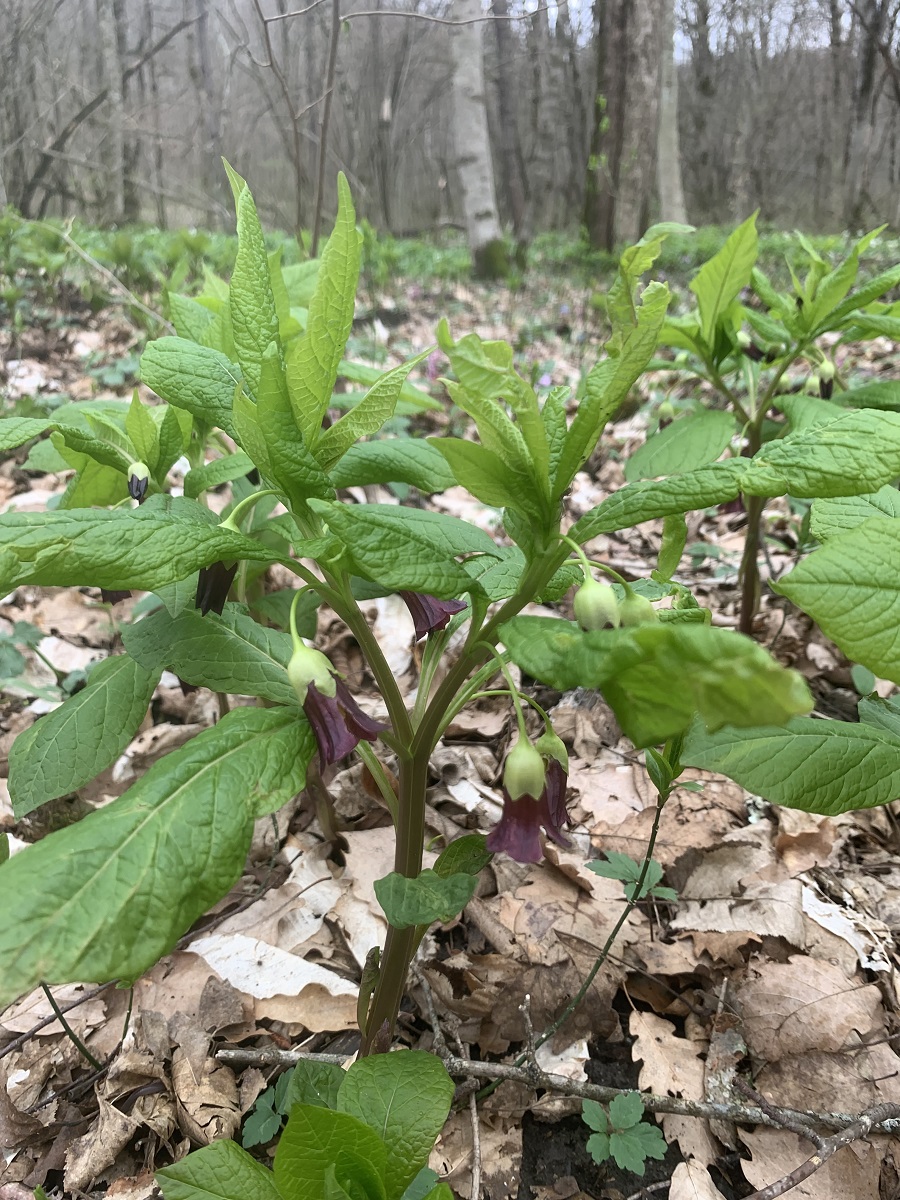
[636, 610]
[551, 746]
[311, 666]
[138, 479]
[826, 379]
[749, 347]
[665, 414]
[596, 605]
[524, 773]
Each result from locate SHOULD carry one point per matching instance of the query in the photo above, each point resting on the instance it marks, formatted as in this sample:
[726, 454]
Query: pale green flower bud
[636, 610]
[550, 745]
[524, 773]
[596, 605]
[311, 666]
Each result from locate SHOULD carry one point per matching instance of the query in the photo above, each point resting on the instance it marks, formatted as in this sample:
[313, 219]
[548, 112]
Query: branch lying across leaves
[884, 1121]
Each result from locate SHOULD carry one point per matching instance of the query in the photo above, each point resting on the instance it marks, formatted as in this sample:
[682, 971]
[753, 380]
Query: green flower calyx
[524, 773]
[596, 605]
[311, 666]
[636, 610]
[550, 745]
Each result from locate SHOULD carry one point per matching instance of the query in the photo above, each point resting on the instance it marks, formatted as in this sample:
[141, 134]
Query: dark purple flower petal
[429, 614]
[334, 739]
[338, 723]
[519, 831]
[113, 597]
[213, 585]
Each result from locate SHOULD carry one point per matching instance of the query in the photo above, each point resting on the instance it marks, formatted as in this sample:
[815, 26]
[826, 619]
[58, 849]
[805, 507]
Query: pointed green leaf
[720, 281]
[64, 750]
[314, 359]
[609, 383]
[220, 1171]
[826, 767]
[16, 431]
[686, 444]
[858, 452]
[883, 714]
[376, 407]
[427, 898]
[144, 435]
[851, 588]
[875, 287]
[254, 321]
[840, 514]
[406, 548]
[105, 898]
[465, 855]
[487, 476]
[214, 474]
[405, 1098]
[196, 378]
[230, 653]
[883, 395]
[190, 319]
[657, 676]
[394, 460]
[646, 501]
[138, 549]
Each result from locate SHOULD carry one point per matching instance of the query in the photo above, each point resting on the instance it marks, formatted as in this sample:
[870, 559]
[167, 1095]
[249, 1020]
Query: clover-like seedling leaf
[625, 1111]
[633, 1146]
[263, 1121]
[594, 1115]
[621, 867]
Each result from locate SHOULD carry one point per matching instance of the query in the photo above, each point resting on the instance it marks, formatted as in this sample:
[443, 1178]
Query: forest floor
[778, 960]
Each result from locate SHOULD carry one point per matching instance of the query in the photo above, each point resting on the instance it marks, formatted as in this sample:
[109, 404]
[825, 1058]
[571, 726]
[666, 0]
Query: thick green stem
[401, 943]
[749, 573]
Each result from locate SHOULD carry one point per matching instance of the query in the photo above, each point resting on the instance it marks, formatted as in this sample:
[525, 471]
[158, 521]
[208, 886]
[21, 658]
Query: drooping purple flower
[519, 832]
[213, 585]
[110, 596]
[338, 722]
[429, 614]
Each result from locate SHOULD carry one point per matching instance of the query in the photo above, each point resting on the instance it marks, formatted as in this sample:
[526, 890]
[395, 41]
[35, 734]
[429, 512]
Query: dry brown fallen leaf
[691, 1181]
[851, 1174]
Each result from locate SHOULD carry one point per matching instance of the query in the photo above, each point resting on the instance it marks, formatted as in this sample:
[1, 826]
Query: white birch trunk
[668, 156]
[473, 147]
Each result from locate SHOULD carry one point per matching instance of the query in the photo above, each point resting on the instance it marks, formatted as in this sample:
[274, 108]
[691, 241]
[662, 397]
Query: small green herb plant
[248, 383]
[744, 338]
[621, 1133]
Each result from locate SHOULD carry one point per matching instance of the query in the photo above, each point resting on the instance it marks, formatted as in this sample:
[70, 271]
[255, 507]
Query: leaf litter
[777, 963]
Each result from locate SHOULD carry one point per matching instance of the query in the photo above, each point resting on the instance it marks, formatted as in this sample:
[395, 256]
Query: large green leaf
[221, 1171]
[196, 378]
[230, 653]
[190, 318]
[254, 320]
[65, 749]
[376, 407]
[214, 474]
[291, 463]
[884, 395]
[657, 676]
[871, 290]
[686, 444]
[406, 548]
[394, 460]
[405, 1098]
[141, 548]
[316, 1139]
[105, 898]
[840, 514]
[858, 452]
[851, 587]
[487, 476]
[720, 280]
[314, 359]
[609, 383]
[16, 431]
[427, 898]
[826, 767]
[646, 501]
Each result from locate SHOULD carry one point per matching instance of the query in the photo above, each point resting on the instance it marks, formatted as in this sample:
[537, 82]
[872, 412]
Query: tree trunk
[872, 19]
[473, 146]
[622, 168]
[668, 162]
[513, 167]
[114, 144]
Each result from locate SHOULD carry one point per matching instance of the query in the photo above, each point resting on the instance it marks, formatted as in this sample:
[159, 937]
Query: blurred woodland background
[540, 117]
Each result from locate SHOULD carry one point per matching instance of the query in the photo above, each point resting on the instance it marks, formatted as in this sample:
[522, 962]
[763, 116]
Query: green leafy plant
[106, 897]
[621, 1133]
[363, 1134]
[620, 866]
[742, 339]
